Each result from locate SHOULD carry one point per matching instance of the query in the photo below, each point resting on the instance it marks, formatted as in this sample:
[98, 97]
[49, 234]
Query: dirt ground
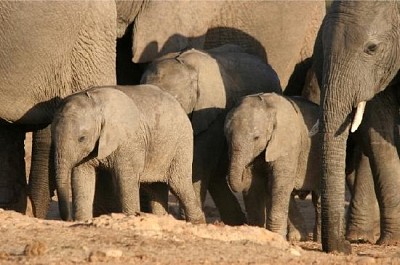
[148, 239]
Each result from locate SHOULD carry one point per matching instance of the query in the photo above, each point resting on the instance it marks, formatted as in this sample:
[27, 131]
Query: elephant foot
[295, 235]
[337, 246]
[356, 235]
[13, 199]
[387, 238]
[198, 220]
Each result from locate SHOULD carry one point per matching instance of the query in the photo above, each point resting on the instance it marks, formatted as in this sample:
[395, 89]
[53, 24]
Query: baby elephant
[268, 138]
[139, 133]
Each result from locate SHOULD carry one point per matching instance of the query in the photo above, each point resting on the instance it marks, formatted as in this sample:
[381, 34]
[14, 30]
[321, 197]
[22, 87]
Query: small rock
[36, 248]
[104, 255]
[113, 253]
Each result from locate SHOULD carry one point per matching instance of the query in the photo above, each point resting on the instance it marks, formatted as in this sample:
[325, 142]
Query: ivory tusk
[358, 116]
[314, 129]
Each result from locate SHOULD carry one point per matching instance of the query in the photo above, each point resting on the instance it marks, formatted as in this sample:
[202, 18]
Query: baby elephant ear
[275, 147]
[108, 140]
[273, 150]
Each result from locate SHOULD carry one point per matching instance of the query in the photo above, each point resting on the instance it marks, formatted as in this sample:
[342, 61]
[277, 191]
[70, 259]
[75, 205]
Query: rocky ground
[148, 239]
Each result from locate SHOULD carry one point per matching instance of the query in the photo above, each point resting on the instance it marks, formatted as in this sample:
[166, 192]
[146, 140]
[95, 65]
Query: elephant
[48, 51]
[351, 71]
[283, 37]
[207, 84]
[74, 48]
[362, 217]
[269, 134]
[139, 133]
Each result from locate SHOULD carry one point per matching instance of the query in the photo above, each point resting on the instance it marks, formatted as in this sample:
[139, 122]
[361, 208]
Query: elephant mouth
[355, 123]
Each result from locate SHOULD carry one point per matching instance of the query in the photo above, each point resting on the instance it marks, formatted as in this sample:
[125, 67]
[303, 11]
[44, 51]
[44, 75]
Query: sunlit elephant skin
[351, 71]
[140, 133]
[207, 84]
[71, 48]
[274, 129]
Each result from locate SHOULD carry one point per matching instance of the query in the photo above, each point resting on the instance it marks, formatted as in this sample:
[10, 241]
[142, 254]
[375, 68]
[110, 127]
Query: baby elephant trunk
[235, 177]
[63, 174]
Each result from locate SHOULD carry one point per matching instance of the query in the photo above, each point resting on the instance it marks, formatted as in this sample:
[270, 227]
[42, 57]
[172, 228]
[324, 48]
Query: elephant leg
[297, 230]
[42, 175]
[380, 140]
[363, 209]
[227, 204]
[211, 154]
[282, 183]
[106, 198]
[158, 197]
[83, 186]
[316, 199]
[181, 185]
[13, 188]
[255, 200]
[210, 167]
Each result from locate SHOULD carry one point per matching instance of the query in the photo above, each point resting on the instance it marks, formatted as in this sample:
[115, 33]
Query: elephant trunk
[235, 175]
[63, 182]
[334, 130]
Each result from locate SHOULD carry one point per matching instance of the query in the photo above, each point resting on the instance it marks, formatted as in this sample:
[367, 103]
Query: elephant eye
[371, 48]
[256, 137]
[82, 139]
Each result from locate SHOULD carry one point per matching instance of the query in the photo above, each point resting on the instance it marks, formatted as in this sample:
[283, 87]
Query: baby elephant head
[89, 125]
[250, 129]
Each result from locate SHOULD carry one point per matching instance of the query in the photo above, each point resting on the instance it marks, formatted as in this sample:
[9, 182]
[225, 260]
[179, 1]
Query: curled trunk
[235, 176]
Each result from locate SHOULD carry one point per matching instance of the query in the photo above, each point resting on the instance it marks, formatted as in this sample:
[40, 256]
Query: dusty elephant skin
[47, 51]
[207, 84]
[74, 48]
[351, 71]
[268, 141]
[280, 33]
[140, 133]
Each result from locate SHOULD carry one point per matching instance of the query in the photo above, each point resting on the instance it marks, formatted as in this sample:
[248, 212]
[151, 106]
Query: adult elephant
[357, 56]
[60, 57]
[281, 32]
[47, 51]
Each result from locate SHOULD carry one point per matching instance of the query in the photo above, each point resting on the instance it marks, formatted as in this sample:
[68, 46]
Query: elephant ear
[162, 27]
[211, 95]
[273, 149]
[282, 141]
[119, 119]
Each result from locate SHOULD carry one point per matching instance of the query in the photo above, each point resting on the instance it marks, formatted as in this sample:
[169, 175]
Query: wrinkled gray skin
[82, 54]
[271, 131]
[47, 51]
[282, 33]
[357, 55]
[140, 133]
[363, 215]
[207, 85]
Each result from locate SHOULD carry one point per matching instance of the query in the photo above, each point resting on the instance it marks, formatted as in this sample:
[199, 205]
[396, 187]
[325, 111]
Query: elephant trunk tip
[234, 185]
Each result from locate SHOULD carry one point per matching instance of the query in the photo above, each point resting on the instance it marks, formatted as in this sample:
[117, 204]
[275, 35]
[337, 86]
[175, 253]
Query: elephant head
[206, 83]
[251, 128]
[356, 56]
[89, 125]
[194, 78]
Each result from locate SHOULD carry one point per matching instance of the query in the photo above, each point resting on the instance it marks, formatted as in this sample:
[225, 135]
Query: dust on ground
[149, 239]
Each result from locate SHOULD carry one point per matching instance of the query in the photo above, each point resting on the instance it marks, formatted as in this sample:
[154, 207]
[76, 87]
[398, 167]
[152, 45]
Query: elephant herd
[272, 99]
